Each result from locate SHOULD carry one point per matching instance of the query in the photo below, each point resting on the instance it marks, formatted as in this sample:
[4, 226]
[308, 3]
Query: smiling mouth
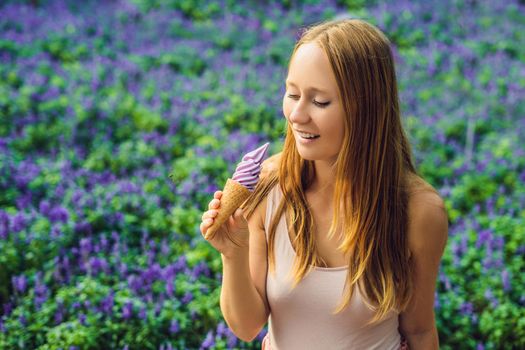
[309, 138]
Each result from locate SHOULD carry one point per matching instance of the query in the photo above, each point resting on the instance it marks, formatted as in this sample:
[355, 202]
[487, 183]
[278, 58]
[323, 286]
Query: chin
[307, 156]
[317, 157]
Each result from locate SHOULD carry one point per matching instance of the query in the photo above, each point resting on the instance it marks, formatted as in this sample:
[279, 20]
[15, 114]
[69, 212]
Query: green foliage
[94, 116]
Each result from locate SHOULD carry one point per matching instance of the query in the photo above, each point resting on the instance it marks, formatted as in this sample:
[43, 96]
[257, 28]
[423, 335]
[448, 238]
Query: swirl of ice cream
[248, 170]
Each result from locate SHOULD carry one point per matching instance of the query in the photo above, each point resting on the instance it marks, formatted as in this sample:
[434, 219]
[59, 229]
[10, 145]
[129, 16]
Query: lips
[306, 132]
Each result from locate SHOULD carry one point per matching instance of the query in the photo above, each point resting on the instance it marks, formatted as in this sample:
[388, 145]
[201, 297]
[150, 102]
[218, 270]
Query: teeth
[307, 136]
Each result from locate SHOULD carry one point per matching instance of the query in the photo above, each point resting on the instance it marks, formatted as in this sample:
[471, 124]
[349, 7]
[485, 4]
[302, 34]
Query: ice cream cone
[233, 195]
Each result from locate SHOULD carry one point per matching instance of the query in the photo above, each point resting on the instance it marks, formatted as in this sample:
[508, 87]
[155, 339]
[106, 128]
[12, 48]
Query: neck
[324, 180]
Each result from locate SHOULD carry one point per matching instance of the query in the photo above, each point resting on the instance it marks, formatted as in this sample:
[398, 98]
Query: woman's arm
[427, 236]
[242, 244]
[241, 304]
[243, 300]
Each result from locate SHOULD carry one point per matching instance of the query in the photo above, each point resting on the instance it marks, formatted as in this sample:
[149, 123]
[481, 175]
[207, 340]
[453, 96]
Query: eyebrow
[313, 88]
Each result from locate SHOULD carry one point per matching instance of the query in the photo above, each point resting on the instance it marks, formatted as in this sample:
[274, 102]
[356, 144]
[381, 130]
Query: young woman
[339, 247]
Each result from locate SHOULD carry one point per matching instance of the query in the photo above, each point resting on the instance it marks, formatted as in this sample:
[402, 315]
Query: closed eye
[320, 104]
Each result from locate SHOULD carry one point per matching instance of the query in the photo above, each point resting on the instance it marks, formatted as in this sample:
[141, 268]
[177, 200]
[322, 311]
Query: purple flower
[169, 286]
[151, 256]
[123, 269]
[505, 280]
[174, 327]
[44, 207]
[200, 268]
[164, 249]
[498, 242]
[187, 298]
[491, 298]
[98, 265]
[209, 341]
[8, 307]
[221, 329]
[107, 303]
[134, 283]
[466, 308]
[83, 228]
[232, 341]
[158, 307]
[77, 196]
[484, 236]
[169, 272]
[127, 310]
[86, 246]
[119, 217]
[19, 283]
[24, 201]
[59, 315]
[82, 319]
[152, 273]
[104, 242]
[23, 321]
[19, 222]
[41, 293]
[21, 181]
[181, 264]
[55, 232]
[4, 224]
[58, 214]
[142, 313]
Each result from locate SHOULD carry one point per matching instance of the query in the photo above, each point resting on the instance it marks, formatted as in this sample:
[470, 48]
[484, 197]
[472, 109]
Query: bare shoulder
[427, 237]
[259, 213]
[427, 219]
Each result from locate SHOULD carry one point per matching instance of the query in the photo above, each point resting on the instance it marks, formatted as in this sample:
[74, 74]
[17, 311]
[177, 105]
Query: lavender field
[101, 100]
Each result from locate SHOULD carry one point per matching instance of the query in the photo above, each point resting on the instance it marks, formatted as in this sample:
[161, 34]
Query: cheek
[286, 107]
[338, 129]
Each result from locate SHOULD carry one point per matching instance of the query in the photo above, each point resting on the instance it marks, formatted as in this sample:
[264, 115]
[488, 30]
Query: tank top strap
[273, 200]
[271, 204]
[282, 240]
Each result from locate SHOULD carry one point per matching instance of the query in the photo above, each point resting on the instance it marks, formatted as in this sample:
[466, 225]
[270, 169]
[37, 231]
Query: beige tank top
[301, 318]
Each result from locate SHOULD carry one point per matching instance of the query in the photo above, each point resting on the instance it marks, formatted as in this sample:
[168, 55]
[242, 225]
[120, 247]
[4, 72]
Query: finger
[205, 224]
[214, 204]
[217, 194]
[209, 214]
[237, 214]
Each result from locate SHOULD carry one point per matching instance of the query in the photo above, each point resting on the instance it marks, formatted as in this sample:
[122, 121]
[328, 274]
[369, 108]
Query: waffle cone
[233, 195]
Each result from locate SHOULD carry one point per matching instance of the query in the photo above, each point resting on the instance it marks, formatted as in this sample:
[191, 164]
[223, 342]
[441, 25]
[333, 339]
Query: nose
[299, 113]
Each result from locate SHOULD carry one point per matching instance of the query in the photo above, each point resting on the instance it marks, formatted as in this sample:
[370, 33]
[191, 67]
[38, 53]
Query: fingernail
[208, 221]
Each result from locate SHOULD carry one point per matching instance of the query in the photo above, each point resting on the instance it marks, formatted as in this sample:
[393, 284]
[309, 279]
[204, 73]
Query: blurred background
[101, 100]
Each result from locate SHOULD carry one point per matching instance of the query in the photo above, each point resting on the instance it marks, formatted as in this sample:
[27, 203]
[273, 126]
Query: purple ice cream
[248, 170]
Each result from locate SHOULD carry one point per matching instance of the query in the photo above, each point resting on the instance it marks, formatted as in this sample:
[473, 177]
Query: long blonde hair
[372, 171]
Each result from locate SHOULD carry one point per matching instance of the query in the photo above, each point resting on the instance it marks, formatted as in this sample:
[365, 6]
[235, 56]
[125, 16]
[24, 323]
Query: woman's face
[312, 104]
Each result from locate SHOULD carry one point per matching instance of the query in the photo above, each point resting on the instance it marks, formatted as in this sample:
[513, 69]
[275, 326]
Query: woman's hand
[233, 236]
